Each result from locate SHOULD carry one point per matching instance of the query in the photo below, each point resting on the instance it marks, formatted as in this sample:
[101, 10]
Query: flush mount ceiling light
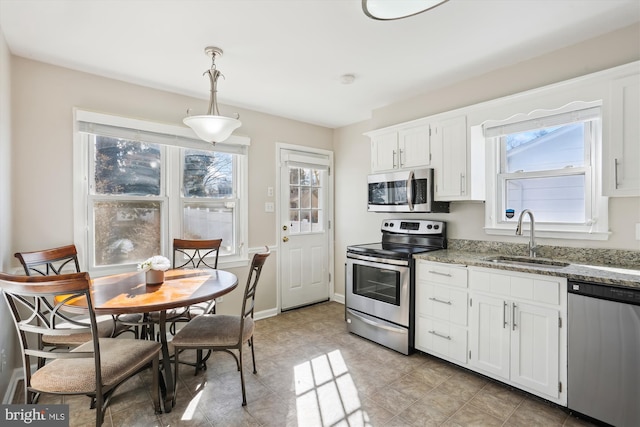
[386, 10]
[212, 127]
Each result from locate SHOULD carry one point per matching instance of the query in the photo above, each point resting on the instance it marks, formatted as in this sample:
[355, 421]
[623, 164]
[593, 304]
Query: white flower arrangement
[157, 262]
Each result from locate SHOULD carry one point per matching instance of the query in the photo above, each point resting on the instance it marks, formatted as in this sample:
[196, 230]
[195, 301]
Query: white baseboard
[265, 313]
[338, 298]
[16, 376]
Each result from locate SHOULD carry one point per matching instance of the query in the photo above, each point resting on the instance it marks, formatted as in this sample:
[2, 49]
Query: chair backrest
[248, 303]
[36, 305]
[195, 253]
[49, 262]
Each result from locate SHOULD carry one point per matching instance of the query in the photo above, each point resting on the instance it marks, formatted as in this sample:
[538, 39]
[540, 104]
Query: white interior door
[304, 227]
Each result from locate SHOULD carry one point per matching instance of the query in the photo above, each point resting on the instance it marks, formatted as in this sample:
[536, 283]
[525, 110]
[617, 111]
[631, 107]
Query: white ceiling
[286, 57]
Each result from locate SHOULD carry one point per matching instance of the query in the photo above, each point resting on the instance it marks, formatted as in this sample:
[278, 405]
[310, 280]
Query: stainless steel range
[380, 281]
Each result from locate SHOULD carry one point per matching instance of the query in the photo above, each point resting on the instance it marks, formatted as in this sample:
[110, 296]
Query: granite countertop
[620, 275]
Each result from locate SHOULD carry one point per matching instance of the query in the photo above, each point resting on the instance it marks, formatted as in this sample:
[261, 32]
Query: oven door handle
[377, 325]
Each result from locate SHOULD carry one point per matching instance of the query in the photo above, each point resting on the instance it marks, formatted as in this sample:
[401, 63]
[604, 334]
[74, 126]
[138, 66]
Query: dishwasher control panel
[604, 291]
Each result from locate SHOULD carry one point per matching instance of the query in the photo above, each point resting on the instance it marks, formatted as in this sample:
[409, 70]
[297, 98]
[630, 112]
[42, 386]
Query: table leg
[166, 364]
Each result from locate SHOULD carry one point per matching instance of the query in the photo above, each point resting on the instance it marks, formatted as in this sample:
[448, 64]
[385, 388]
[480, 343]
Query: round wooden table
[128, 293]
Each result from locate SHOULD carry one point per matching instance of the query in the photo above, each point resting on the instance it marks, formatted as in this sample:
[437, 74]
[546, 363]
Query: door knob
[285, 239]
[284, 227]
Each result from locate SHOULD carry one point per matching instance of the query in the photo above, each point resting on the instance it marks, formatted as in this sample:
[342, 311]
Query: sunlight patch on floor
[326, 394]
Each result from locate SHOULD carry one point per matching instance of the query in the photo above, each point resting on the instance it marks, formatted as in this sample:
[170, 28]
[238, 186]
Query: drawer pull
[446, 337]
[440, 301]
[440, 274]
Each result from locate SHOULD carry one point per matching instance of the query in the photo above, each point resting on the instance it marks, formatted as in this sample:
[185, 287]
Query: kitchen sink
[526, 261]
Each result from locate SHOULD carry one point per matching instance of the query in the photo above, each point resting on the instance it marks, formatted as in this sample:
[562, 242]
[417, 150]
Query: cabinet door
[489, 335]
[414, 148]
[535, 347]
[384, 152]
[449, 158]
[624, 144]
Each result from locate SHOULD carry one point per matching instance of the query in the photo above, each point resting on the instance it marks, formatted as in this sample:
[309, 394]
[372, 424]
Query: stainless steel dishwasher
[604, 352]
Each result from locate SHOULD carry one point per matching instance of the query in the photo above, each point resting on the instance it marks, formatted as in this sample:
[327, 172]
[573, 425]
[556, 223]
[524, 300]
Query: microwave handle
[410, 190]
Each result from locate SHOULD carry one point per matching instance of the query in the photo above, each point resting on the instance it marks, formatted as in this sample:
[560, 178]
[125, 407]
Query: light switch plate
[637, 231]
[269, 207]
[270, 191]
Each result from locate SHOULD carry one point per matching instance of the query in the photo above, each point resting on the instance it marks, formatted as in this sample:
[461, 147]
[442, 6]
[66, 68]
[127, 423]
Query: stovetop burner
[401, 239]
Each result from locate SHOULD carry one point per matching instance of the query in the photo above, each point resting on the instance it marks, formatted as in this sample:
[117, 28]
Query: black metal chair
[219, 332]
[56, 261]
[95, 368]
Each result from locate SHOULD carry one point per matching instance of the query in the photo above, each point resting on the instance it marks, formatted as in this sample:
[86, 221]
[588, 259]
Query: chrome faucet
[532, 240]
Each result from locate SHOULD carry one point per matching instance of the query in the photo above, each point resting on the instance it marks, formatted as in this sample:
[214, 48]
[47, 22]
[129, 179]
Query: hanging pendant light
[387, 10]
[212, 127]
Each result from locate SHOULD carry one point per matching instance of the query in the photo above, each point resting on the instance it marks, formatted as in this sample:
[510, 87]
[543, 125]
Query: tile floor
[311, 372]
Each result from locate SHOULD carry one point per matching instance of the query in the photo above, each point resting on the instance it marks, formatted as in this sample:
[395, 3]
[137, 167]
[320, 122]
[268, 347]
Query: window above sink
[548, 161]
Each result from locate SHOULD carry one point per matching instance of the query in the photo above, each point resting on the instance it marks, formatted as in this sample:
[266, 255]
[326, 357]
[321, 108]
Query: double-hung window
[548, 163]
[140, 184]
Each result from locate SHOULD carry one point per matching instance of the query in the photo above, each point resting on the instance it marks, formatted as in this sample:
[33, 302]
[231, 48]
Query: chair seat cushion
[120, 358]
[213, 330]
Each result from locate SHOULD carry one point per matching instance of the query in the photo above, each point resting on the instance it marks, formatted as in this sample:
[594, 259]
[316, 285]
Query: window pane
[126, 232]
[545, 149]
[126, 167]
[209, 221]
[556, 199]
[305, 200]
[207, 174]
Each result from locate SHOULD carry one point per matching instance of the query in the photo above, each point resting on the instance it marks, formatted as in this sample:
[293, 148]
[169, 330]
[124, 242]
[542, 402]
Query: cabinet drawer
[524, 286]
[445, 274]
[441, 338]
[442, 302]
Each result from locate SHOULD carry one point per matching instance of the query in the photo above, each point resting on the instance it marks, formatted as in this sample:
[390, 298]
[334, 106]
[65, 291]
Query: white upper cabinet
[623, 147]
[400, 148]
[439, 143]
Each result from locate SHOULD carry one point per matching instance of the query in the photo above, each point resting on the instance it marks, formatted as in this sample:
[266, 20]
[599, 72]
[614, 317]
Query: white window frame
[172, 138]
[597, 208]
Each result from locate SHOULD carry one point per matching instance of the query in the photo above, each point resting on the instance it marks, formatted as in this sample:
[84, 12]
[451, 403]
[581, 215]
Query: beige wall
[466, 220]
[8, 337]
[42, 153]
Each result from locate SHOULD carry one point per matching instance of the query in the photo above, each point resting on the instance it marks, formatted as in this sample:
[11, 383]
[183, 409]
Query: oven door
[378, 289]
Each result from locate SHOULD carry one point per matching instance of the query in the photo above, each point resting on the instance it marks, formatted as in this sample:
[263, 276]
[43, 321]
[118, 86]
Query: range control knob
[429, 227]
[436, 227]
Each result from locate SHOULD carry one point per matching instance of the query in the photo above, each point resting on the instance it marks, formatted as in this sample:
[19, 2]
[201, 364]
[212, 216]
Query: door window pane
[306, 200]
[126, 231]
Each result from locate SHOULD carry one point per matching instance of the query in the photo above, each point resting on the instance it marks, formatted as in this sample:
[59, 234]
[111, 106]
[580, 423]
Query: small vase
[154, 277]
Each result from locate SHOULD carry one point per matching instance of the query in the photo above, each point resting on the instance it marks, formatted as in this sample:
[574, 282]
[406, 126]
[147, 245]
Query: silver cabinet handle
[439, 274]
[513, 313]
[446, 337]
[440, 301]
[394, 159]
[615, 172]
[504, 314]
[400, 158]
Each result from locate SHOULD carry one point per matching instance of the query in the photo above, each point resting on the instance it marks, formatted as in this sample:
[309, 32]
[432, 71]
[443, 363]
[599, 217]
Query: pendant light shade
[212, 127]
[386, 10]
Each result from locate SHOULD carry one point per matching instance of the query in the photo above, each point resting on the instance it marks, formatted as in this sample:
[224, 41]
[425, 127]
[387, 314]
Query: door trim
[280, 146]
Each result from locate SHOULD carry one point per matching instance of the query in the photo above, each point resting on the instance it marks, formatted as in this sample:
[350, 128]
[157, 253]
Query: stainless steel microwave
[403, 191]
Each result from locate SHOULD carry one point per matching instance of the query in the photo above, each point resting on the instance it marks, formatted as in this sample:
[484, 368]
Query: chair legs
[199, 362]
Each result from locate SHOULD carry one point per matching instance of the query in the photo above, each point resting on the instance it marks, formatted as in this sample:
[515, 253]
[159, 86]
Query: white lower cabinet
[515, 330]
[504, 324]
[441, 310]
